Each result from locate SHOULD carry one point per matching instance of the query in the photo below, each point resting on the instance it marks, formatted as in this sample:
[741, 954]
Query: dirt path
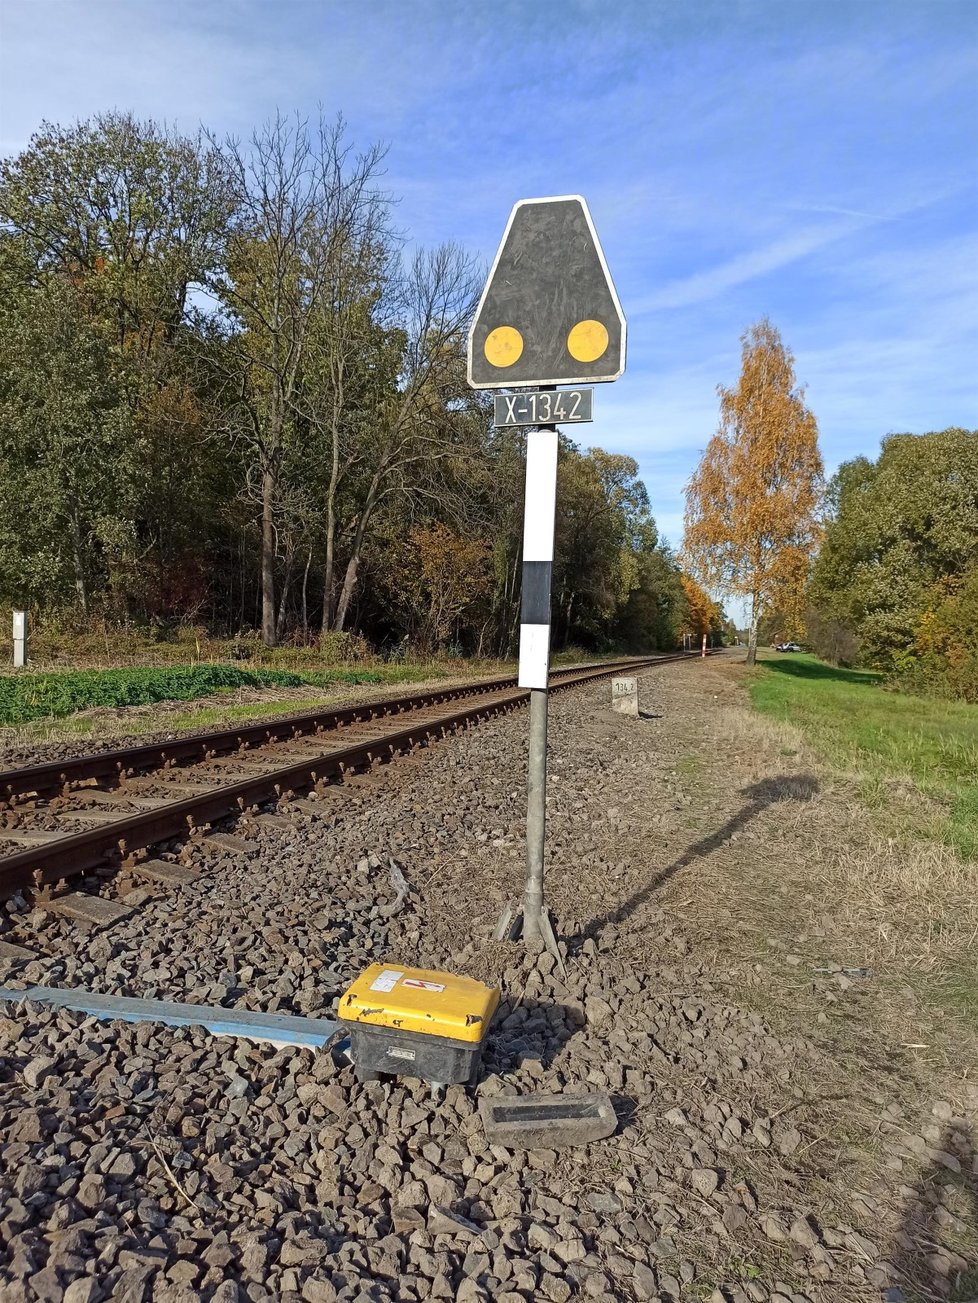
[757, 877]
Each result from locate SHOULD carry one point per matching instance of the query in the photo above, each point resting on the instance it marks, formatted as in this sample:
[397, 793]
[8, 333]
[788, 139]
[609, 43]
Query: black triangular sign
[549, 314]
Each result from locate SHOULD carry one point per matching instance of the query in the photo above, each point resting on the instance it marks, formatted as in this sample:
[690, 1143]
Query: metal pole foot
[510, 927]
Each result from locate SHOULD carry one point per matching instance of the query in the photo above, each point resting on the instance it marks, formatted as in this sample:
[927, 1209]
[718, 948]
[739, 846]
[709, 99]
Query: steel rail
[57, 776]
[75, 854]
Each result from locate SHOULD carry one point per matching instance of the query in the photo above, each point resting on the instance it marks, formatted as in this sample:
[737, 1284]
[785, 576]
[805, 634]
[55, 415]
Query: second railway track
[99, 813]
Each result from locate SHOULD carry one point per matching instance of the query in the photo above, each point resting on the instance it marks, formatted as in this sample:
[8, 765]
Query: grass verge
[879, 736]
[29, 699]
[26, 698]
[197, 718]
[897, 891]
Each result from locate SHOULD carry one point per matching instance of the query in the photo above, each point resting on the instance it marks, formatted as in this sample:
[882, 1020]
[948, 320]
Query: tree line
[232, 392]
[877, 568]
[895, 584]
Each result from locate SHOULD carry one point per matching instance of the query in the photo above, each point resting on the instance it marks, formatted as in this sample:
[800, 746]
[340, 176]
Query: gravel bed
[142, 1162]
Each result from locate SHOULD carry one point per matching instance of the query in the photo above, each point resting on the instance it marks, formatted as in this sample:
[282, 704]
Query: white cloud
[745, 267]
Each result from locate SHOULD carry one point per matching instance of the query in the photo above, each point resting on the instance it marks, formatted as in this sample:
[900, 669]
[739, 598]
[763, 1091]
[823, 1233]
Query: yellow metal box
[417, 1022]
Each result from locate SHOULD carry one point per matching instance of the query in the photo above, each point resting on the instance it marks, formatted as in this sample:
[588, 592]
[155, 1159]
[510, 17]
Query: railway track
[96, 814]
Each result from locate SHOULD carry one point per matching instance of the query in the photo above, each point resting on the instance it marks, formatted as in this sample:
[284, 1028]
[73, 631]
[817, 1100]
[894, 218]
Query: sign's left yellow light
[503, 346]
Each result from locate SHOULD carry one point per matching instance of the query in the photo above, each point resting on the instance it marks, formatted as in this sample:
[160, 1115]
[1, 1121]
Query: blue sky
[812, 160]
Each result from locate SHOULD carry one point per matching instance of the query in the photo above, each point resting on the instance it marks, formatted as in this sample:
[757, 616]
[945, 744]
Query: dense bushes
[59, 641]
[943, 658]
[830, 639]
[895, 585]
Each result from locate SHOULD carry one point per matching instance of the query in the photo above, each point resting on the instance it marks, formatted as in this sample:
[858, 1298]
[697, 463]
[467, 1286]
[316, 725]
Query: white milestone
[624, 696]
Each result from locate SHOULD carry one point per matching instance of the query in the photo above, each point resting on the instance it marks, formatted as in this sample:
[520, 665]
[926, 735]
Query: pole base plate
[509, 927]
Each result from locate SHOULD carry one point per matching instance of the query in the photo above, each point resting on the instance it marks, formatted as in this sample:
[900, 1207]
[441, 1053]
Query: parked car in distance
[787, 647]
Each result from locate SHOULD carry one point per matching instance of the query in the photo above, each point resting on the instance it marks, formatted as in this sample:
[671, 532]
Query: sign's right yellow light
[587, 341]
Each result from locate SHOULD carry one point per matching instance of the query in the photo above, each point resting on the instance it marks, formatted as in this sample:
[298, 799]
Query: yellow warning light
[504, 345]
[587, 341]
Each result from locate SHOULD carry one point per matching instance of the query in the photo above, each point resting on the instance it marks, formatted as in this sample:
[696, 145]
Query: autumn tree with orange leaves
[702, 612]
[752, 522]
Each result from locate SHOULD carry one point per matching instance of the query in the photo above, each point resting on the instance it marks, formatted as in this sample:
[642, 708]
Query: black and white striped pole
[539, 513]
[548, 316]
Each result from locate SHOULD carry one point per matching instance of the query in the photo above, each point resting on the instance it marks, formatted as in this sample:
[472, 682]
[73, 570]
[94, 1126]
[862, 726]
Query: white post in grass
[20, 639]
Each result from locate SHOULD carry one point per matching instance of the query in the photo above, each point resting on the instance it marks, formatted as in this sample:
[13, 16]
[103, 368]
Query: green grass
[195, 719]
[32, 701]
[25, 698]
[953, 987]
[857, 727]
[965, 1289]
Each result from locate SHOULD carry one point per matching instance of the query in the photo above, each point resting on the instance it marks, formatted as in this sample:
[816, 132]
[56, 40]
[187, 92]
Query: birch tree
[752, 506]
[702, 614]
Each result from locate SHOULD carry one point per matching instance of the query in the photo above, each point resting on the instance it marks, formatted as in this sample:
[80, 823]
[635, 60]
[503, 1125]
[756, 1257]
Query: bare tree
[429, 413]
[297, 197]
[353, 347]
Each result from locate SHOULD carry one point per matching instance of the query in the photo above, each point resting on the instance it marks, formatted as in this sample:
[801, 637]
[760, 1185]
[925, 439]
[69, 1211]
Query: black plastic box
[436, 1059]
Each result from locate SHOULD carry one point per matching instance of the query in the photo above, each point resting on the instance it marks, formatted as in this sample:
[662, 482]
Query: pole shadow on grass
[939, 1230]
[760, 796]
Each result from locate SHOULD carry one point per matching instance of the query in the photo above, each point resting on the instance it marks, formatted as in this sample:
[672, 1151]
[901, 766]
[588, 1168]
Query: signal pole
[548, 316]
[539, 513]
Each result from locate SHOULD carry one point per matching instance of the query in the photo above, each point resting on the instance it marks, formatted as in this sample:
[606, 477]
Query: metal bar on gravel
[275, 1028]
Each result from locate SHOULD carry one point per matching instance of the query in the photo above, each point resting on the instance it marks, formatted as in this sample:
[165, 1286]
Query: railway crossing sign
[549, 314]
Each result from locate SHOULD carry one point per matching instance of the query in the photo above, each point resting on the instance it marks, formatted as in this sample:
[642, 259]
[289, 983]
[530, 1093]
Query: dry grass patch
[917, 898]
[827, 886]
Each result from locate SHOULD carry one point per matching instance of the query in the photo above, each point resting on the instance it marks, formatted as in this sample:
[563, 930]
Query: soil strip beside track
[56, 775]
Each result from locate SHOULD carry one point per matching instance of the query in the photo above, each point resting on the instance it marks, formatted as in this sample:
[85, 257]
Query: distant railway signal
[549, 314]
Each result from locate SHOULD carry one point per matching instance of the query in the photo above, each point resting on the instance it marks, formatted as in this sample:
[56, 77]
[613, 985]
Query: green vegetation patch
[26, 697]
[857, 726]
